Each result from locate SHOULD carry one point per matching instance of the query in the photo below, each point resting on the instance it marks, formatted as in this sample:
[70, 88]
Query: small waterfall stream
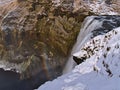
[89, 24]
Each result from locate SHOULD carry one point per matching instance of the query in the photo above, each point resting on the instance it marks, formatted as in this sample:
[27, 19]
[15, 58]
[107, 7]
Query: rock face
[37, 36]
[100, 69]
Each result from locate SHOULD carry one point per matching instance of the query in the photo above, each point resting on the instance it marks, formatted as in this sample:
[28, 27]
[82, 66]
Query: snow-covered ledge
[101, 71]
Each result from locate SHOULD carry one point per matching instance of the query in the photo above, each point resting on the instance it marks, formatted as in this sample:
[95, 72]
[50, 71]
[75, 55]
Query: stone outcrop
[6, 7]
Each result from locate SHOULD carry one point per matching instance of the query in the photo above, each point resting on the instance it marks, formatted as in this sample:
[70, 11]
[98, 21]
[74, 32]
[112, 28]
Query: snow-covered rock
[99, 7]
[99, 71]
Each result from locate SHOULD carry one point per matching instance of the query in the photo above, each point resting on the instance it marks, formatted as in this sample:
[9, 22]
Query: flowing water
[83, 36]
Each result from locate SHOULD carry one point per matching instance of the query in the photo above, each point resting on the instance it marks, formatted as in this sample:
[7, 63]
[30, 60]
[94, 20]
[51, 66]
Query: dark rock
[78, 60]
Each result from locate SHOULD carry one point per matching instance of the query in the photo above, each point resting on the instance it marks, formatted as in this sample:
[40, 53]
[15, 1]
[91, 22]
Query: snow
[100, 71]
[78, 86]
[56, 2]
[101, 8]
[11, 66]
[98, 7]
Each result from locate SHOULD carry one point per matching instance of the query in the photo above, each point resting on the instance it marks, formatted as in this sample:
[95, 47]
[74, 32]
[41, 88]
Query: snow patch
[78, 86]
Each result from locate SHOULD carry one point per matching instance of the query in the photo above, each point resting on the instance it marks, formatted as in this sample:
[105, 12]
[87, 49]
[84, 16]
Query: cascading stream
[88, 25]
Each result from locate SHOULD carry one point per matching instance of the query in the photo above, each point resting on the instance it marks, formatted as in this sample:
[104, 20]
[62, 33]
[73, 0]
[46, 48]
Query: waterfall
[91, 27]
[89, 24]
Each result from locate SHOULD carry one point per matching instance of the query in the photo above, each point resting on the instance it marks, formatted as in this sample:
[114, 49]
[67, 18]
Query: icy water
[10, 81]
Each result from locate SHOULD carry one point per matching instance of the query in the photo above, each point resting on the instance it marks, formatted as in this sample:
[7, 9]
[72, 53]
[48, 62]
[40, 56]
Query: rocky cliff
[37, 36]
